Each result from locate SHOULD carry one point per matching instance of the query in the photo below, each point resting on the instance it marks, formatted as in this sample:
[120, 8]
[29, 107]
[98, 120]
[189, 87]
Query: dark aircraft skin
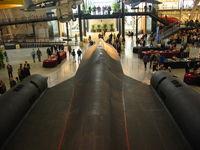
[98, 109]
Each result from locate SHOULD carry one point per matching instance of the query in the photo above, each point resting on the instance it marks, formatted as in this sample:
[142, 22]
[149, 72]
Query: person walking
[55, 48]
[27, 69]
[33, 55]
[58, 57]
[118, 47]
[79, 52]
[150, 8]
[48, 52]
[152, 57]
[10, 70]
[69, 49]
[39, 54]
[187, 67]
[74, 55]
[145, 60]
[155, 65]
[21, 73]
[12, 82]
[109, 10]
[2, 87]
[5, 55]
[137, 42]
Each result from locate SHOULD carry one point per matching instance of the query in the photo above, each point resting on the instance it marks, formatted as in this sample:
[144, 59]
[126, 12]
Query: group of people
[192, 67]
[99, 10]
[38, 53]
[104, 10]
[155, 62]
[148, 8]
[91, 42]
[192, 23]
[73, 53]
[10, 75]
[3, 55]
[187, 37]
[55, 48]
[143, 40]
[117, 44]
[116, 41]
[23, 71]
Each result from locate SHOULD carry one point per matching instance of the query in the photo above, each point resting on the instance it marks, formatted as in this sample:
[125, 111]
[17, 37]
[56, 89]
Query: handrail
[169, 31]
[40, 17]
[14, 21]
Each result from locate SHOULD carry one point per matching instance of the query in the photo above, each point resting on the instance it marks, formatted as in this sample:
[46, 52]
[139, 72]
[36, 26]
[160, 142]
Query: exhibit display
[53, 60]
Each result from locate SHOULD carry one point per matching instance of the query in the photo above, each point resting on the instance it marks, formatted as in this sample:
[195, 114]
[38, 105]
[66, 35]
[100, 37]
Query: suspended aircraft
[50, 4]
[63, 7]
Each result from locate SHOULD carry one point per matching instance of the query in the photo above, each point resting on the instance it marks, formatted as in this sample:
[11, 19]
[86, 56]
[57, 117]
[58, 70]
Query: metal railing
[30, 40]
[26, 19]
[173, 28]
[126, 10]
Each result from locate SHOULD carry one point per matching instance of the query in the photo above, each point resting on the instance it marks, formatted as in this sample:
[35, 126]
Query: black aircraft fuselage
[98, 109]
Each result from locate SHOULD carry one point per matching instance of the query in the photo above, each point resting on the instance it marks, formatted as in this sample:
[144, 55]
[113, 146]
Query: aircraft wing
[149, 124]
[44, 126]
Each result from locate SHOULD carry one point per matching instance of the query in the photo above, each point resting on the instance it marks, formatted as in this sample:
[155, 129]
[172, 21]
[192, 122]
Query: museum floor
[131, 64]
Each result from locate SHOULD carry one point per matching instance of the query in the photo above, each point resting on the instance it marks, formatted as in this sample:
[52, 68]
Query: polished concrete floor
[131, 64]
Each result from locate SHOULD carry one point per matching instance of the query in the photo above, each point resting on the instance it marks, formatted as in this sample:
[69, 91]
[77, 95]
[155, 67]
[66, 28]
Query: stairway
[156, 18]
[164, 33]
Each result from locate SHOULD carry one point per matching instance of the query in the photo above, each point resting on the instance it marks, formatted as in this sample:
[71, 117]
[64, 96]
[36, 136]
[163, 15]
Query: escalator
[170, 30]
[156, 18]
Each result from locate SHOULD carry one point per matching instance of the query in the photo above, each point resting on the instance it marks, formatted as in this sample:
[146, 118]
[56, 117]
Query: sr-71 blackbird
[100, 108]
